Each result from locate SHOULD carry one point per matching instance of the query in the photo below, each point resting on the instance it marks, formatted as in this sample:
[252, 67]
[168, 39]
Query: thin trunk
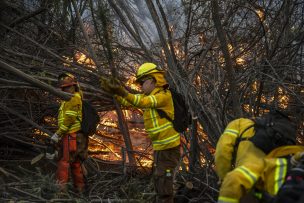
[34, 81]
[228, 61]
[194, 148]
[121, 120]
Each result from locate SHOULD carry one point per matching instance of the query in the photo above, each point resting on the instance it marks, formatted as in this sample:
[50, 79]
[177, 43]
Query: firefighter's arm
[122, 101]
[73, 111]
[224, 150]
[151, 101]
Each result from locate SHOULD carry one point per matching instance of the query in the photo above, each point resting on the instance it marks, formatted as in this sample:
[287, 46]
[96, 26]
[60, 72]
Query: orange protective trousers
[67, 160]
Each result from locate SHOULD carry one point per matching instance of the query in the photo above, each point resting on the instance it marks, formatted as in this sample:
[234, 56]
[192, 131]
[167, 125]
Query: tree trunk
[236, 106]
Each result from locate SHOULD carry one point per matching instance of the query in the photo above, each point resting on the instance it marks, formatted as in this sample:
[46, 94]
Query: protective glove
[55, 138]
[49, 156]
[116, 88]
[51, 152]
[296, 159]
[104, 83]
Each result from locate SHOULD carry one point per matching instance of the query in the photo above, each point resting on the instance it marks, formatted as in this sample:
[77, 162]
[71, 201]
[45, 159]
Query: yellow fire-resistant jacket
[253, 168]
[160, 130]
[70, 115]
[276, 166]
[248, 166]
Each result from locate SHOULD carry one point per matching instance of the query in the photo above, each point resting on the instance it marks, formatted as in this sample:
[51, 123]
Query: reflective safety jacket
[70, 115]
[253, 168]
[160, 130]
[226, 143]
[276, 167]
[249, 161]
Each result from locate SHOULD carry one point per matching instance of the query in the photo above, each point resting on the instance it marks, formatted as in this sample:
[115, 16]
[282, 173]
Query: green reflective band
[153, 117]
[222, 199]
[124, 101]
[159, 128]
[72, 113]
[231, 132]
[75, 127]
[280, 174]
[153, 101]
[167, 140]
[248, 174]
[137, 99]
[63, 127]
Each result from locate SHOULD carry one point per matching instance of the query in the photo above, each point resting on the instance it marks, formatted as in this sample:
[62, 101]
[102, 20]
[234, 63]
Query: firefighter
[165, 139]
[292, 189]
[68, 136]
[235, 183]
[277, 165]
[241, 161]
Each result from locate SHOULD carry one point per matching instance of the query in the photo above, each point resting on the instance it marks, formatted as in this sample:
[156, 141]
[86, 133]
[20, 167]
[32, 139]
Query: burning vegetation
[238, 61]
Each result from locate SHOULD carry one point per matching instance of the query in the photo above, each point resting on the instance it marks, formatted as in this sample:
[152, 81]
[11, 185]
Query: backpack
[181, 116]
[90, 119]
[271, 131]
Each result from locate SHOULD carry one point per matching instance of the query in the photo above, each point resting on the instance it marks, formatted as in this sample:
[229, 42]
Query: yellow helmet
[146, 69]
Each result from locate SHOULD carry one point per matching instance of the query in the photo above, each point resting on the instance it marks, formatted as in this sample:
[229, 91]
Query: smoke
[148, 31]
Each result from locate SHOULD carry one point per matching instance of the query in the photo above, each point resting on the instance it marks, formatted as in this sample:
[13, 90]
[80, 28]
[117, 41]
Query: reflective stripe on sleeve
[232, 132]
[222, 199]
[124, 101]
[75, 127]
[153, 101]
[136, 99]
[252, 177]
[71, 113]
[280, 173]
[63, 127]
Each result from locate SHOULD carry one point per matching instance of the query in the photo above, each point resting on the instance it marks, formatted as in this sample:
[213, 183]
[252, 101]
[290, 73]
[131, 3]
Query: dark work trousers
[164, 165]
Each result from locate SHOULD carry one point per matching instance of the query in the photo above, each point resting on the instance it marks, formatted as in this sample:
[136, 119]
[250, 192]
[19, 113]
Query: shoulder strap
[236, 145]
[163, 114]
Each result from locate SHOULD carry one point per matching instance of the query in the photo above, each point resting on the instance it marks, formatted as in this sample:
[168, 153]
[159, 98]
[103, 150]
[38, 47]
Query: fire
[108, 142]
[240, 61]
[202, 39]
[255, 86]
[178, 50]
[81, 58]
[261, 14]
[230, 48]
[283, 98]
[131, 83]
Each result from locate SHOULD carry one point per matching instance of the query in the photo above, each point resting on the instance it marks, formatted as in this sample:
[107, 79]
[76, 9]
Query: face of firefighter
[69, 89]
[148, 86]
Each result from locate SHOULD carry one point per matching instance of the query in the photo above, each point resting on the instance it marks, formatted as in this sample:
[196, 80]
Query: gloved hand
[55, 138]
[104, 83]
[295, 159]
[49, 156]
[116, 88]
